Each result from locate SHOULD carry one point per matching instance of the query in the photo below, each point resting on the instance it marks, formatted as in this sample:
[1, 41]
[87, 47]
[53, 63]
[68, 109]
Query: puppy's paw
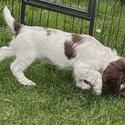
[96, 91]
[27, 82]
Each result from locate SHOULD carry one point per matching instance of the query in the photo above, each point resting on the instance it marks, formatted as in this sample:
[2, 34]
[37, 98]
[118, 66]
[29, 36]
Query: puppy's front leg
[87, 79]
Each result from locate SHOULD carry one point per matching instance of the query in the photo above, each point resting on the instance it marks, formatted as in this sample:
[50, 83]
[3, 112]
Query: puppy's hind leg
[18, 66]
[6, 52]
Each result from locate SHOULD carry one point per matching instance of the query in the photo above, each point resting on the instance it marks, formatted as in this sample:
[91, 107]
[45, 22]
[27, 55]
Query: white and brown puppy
[88, 57]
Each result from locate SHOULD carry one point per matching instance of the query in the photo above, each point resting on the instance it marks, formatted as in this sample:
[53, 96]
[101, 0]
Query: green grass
[55, 100]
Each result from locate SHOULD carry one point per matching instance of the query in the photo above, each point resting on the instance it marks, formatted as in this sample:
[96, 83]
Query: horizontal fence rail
[109, 20]
[88, 14]
[61, 8]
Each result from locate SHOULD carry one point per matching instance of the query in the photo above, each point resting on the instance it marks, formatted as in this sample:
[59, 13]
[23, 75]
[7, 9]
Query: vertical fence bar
[113, 12]
[70, 2]
[40, 17]
[73, 23]
[32, 15]
[22, 12]
[9, 2]
[93, 8]
[12, 4]
[103, 25]
[47, 24]
[97, 12]
[78, 3]
[86, 4]
[19, 10]
[81, 26]
[56, 20]
[118, 26]
[123, 47]
[5, 2]
[64, 26]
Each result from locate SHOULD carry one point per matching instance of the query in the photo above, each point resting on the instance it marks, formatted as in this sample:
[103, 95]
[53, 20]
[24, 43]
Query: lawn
[55, 100]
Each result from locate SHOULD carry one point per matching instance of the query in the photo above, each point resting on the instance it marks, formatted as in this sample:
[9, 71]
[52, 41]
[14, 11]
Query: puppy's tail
[11, 22]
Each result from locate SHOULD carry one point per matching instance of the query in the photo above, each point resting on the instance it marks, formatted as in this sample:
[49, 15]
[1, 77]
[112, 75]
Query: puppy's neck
[109, 58]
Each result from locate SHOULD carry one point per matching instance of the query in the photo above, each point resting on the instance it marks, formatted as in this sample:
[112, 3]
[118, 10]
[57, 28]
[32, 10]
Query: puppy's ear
[111, 73]
[120, 64]
[114, 75]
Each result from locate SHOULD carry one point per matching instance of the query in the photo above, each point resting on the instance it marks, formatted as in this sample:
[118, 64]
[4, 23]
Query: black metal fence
[109, 23]
[86, 13]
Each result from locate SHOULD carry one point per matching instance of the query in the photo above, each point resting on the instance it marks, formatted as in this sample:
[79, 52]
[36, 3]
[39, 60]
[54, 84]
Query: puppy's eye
[121, 81]
[87, 82]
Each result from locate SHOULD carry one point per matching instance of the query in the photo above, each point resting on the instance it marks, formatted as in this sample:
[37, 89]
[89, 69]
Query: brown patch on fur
[17, 27]
[76, 38]
[48, 32]
[69, 51]
[69, 45]
[114, 75]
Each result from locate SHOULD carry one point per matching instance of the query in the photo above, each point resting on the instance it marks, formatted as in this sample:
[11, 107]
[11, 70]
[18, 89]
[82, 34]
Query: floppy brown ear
[112, 74]
[110, 78]
[120, 64]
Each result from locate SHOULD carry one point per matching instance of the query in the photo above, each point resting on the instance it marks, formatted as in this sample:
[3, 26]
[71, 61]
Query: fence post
[92, 11]
[22, 14]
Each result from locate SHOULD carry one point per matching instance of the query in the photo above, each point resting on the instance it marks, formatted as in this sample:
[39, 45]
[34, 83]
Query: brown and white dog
[89, 59]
